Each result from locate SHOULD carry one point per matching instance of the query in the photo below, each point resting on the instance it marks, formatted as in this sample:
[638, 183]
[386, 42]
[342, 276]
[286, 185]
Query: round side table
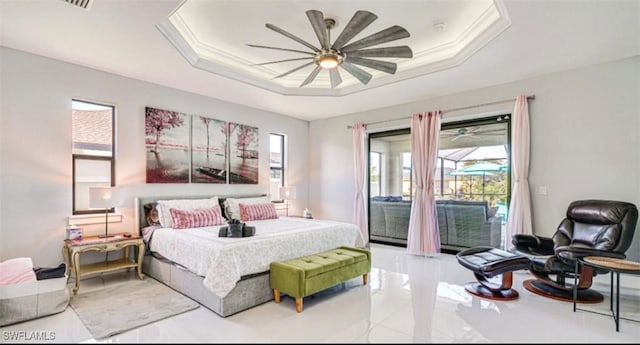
[615, 267]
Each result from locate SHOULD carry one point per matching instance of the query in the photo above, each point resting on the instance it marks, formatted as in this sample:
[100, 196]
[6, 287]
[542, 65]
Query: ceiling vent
[80, 3]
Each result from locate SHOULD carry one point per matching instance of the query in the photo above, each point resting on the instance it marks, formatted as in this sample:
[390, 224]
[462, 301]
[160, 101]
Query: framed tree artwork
[243, 154]
[208, 150]
[167, 146]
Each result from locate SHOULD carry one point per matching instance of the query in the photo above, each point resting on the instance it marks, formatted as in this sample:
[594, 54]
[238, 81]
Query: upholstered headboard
[140, 202]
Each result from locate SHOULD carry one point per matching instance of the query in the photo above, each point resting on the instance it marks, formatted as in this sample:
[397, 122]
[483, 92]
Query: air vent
[80, 3]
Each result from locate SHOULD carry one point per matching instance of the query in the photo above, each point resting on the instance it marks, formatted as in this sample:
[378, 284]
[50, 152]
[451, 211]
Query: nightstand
[73, 248]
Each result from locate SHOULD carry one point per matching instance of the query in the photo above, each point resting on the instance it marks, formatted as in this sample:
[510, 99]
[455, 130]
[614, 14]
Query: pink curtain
[424, 238]
[359, 207]
[519, 220]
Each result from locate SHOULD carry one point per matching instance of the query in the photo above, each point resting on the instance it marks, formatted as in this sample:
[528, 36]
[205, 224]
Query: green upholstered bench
[307, 275]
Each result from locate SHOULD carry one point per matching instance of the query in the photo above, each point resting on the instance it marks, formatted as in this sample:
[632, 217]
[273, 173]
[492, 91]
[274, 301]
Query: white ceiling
[452, 32]
[134, 39]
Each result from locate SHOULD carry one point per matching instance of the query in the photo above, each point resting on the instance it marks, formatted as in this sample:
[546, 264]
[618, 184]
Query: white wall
[585, 130]
[585, 144]
[35, 148]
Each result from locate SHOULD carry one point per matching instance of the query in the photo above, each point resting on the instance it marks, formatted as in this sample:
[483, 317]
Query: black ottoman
[489, 262]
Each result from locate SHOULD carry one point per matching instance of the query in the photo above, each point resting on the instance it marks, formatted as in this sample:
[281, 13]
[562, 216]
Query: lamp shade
[288, 193]
[103, 197]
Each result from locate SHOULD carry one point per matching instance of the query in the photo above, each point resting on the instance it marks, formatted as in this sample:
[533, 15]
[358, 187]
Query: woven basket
[614, 263]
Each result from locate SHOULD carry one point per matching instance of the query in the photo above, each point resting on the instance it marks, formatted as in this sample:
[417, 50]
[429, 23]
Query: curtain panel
[519, 219]
[424, 237]
[359, 159]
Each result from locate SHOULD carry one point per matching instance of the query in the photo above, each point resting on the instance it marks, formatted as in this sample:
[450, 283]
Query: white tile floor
[409, 299]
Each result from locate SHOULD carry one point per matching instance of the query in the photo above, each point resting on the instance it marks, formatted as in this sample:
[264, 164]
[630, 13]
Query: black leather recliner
[591, 228]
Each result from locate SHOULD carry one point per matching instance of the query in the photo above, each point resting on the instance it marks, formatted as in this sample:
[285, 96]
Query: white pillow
[232, 205]
[181, 204]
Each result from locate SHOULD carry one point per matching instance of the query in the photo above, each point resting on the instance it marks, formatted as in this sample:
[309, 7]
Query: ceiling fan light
[328, 61]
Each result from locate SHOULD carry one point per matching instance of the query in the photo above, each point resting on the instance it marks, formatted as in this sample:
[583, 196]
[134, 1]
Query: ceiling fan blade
[270, 62]
[334, 75]
[389, 34]
[472, 130]
[359, 21]
[311, 76]
[319, 26]
[493, 131]
[357, 72]
[285, 49]
[293, 70]
[291, 36]
[383, 66]
[399, 52]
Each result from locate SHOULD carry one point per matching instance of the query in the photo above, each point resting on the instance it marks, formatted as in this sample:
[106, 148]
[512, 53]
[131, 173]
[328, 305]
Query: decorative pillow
[196, 218]
[17, 270]
[232, 208]
[258, 211]
[151, 214]
[181, 204]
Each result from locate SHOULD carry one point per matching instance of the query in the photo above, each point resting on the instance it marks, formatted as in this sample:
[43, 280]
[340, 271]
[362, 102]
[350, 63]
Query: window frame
[77, 156]
[379, 171]
[282, 162]
[504, 118]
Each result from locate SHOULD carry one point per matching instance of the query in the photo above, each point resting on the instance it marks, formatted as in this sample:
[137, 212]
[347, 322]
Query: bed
[229, 275]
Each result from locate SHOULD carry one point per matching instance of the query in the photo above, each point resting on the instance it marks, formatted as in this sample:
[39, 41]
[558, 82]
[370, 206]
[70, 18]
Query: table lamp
[286, 194]
[103, 197]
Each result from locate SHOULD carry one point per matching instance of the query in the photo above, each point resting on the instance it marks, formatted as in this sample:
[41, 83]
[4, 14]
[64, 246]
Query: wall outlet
[542, 190]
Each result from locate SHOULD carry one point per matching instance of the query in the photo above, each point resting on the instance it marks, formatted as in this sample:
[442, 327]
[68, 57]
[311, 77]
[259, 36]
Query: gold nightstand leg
[127, 257]
[76, 270]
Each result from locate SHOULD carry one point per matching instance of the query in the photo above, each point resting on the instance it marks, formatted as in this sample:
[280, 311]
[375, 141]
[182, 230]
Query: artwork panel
[243, 154]
[167, 146]
[208, 150]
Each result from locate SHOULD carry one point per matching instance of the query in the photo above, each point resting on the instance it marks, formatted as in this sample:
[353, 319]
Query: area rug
[129, 305]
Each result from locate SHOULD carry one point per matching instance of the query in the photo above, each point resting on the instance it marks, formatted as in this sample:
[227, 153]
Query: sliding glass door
[390, 186]
[472, 183]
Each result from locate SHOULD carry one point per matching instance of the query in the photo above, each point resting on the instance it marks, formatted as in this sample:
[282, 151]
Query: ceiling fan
[342, 53]
[471, 132]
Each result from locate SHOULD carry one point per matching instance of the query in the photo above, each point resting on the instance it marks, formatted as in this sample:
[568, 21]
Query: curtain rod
[530, 97]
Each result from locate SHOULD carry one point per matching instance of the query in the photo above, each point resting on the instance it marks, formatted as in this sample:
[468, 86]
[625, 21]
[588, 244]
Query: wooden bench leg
[299, 304]
[364, 279]
[276, 295]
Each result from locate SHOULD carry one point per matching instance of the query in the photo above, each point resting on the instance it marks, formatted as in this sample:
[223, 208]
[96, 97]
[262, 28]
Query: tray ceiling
[213, 36]
[141, 40]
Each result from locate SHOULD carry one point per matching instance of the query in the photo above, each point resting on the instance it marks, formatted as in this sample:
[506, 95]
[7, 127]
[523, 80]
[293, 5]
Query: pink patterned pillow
[258, 211]
[196, 218]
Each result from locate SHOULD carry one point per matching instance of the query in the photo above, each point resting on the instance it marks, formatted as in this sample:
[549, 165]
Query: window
[473, 161]
[407, 190]
[375, 171]
[93, 133]
[472, 167]
[390, 164]
[276, 164]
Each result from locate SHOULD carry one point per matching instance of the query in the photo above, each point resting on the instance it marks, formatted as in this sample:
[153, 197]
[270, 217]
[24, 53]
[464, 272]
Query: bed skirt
[249, 292]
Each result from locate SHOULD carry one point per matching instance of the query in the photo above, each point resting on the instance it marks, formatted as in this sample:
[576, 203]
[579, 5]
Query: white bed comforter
[222, 261]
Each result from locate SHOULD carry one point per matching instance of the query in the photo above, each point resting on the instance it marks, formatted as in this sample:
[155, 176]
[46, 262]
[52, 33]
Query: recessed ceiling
[134, 39]
[443, 34]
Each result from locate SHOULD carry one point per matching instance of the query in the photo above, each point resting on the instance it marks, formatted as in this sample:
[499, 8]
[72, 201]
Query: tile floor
[409, 299]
